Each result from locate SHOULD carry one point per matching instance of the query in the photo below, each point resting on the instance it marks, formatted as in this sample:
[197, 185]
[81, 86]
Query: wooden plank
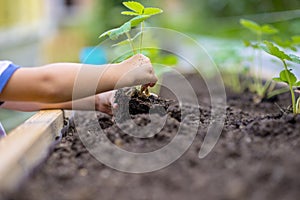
[26, 146]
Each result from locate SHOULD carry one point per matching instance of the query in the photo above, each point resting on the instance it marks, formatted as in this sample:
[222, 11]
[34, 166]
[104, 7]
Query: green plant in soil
[232, 69]
[286, 75]
[139, 14]
[259, 87]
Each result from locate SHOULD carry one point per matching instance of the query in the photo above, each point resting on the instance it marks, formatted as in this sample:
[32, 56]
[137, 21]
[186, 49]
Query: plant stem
[259, 36]
[298, 106]
[141, 44]
[131, 43]
[142, 34]
[261, 89]
[291, 88]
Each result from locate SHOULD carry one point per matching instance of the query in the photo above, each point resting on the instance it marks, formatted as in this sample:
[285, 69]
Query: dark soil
[256, 157]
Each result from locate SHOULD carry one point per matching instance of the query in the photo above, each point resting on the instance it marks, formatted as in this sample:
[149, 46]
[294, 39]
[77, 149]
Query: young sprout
[259, 30]
[286, 75]
[140, 13]
[232, 69]
[137, 9]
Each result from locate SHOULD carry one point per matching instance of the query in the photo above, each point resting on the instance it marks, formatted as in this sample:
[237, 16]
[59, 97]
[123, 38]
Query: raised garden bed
[256, 157]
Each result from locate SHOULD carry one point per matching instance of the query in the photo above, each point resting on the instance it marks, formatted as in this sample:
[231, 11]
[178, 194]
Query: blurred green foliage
[207, 17]
[103, 17]
[225, 8]
[221, 17]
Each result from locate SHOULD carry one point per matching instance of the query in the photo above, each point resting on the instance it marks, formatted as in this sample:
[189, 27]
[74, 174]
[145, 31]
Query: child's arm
[102, 102]
[55, 82]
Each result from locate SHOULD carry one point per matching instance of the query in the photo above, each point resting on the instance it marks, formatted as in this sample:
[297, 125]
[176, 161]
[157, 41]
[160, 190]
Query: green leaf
[288, 77]
[152, 11]
[126, 27]
[170, 60]
[268, 29]
[250, 44]
[293, 48]
[264, 47]
[138, 19]
[115, 33]
[294, 58]
[296, 39]
[251, 25]
[134, 6]
[297, 84]
[247, 43]
[257, 29]
[285, 43]
[107, 33]
[130, 13]
[277, 79]
[274, 51]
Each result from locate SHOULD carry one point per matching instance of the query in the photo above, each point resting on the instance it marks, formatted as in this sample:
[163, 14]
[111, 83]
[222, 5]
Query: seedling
[286, 75]
[260, 88]
[140, 13]
[232, 69]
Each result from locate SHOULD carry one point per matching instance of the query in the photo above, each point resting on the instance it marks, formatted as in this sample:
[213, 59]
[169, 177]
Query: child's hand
[105, 102]
[137, 70]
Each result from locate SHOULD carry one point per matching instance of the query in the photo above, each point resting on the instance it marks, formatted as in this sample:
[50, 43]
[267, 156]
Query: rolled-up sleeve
[7, 68]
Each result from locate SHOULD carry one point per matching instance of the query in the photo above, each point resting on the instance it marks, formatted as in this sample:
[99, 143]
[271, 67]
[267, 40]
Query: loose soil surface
[256, 157]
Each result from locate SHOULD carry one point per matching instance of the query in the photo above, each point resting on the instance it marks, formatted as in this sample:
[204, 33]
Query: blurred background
[36, 32]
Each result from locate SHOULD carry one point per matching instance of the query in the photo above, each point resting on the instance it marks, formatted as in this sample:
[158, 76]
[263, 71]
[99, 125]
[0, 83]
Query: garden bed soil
[256, 157]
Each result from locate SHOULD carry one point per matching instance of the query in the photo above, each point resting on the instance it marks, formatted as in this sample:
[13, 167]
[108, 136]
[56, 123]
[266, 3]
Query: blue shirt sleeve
[7, 68]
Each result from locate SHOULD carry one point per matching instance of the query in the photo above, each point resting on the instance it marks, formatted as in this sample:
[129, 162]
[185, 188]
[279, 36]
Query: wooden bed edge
[26, 146]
